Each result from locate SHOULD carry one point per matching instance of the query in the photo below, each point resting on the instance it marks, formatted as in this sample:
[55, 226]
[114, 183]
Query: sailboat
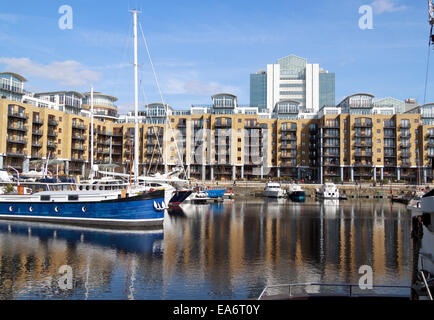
[118, 208]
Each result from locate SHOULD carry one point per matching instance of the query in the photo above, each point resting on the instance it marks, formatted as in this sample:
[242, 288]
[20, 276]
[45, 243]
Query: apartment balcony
[331, 155]
[117, 135]
[363, 164]
[363, 174]
[16, 140]
[331, 135]
[405, 155]
[51, 145]
[405, 126]
[389, 126]
[104, 133]
[288, 138]
[36, 144]
[117, 143]
[78, 148]
[288, 164]
[17, 128]
[405, 136]
[116, 153]
[36, 156]
[285, 130]
[52, 123]
[430, 135]
[289, 147]
[76, 159]
[37, 133]
[363, 135]
[362, 125]
[284, 155]
[18, 153]
[389, 164]
[223, 125]
[331, 164]
[390, 155]
[331, 174]
[52, 134]
[405, 164]
[103, 152]
[103, 143]
[405, 147]
[332, 126]
[18, 115]
[79, 137]
[363, 144]
[78, 126]
[37, 121]
[430, 144]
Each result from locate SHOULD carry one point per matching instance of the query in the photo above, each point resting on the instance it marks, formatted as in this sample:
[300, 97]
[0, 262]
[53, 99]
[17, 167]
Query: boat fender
[83, 208]
[31, 209]
[11, 208]
[56, 209]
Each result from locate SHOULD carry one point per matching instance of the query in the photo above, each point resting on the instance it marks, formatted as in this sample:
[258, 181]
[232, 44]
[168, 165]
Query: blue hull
[216, 193]
[115, 213]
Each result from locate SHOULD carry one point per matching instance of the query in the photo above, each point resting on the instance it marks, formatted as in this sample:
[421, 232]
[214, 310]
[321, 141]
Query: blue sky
[204, 47]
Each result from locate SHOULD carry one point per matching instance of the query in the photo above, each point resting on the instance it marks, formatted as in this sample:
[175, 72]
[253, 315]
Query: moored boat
[296, 193]
[89, 208]
[328, 191]
[273, 190]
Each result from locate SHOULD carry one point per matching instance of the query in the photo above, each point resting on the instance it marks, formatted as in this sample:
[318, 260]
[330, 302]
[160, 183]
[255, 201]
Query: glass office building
[327, 90]
[258, 90]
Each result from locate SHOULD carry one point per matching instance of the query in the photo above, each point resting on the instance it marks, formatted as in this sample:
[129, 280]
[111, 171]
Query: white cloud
[382, 6]
[66, 73]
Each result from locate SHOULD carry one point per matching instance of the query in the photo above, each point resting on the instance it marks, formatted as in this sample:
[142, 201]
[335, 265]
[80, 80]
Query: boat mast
[136, 101]
[91, 134]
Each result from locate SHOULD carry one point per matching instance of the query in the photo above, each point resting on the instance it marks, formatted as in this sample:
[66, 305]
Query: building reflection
[231, 250]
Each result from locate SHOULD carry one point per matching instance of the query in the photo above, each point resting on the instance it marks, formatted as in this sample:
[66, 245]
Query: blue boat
[107, 209]
[215, 193]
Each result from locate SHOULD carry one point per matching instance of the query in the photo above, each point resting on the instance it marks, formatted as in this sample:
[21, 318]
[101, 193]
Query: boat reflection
[125, 241]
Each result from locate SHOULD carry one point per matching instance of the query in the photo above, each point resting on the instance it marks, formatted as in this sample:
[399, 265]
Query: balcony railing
[363, 154]
[18, 128]
[78, 126]
[363, 125]
[16, 140]
[52, 123]
[17, 153]
[37, 121]
[37, 132]
[18, 115]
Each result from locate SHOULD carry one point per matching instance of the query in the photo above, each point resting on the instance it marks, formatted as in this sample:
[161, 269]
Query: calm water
[227, 251]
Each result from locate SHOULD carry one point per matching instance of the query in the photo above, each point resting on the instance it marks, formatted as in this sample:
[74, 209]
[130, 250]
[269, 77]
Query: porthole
[11, 209]
[87, 187]
[83, 208]
[56, 209]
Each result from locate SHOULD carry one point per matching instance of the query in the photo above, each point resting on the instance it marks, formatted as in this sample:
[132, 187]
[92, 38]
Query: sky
[200, 48]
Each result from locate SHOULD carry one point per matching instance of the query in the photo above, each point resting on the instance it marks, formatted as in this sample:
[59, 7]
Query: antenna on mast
[431, 20]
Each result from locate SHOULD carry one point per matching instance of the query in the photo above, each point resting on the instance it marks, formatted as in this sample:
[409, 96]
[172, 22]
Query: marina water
[223, 251]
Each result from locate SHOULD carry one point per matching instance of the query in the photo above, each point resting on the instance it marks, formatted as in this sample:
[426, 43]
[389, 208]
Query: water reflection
[225, 251]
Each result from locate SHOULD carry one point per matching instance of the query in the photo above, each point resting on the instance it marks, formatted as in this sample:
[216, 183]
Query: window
[59, 141]
[378, 150]
[58, 152]
[378, 160]
[378, 131]
[378, 120]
